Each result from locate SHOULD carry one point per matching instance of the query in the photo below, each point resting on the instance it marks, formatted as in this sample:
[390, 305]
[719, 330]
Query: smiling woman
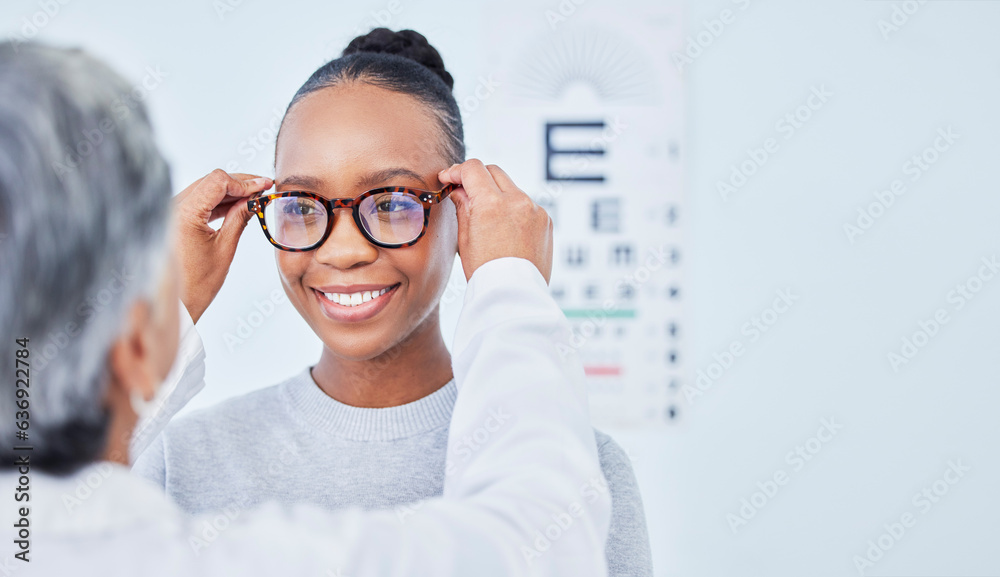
[332, 140]
[368, 424]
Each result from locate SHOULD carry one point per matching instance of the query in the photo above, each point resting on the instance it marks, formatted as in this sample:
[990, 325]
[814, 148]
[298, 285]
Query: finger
[223, 208]
[458, 197]
[248, 186]
[502, 179]
[215, 187]
[253, 182]
[234, 225]
[477, 180]
[187, 191]
[245, 176]
[449, 175]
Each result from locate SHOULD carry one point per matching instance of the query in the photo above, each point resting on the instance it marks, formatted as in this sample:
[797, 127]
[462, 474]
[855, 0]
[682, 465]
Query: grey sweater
[292, 443]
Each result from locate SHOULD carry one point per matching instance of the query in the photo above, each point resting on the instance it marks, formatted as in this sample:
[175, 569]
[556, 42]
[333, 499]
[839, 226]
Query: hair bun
[408, 43]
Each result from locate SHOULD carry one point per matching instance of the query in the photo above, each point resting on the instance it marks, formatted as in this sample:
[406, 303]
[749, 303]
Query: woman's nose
[346, 245]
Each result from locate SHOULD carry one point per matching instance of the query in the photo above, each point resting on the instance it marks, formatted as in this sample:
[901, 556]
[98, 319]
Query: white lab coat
[512, 508]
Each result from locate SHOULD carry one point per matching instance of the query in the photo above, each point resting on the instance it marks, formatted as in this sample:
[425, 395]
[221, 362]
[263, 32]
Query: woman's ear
[144, 352]
[131, 360]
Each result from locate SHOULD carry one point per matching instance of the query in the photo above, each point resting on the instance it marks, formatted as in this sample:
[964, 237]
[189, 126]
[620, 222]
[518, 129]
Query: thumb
[233, 226]
[460, 199]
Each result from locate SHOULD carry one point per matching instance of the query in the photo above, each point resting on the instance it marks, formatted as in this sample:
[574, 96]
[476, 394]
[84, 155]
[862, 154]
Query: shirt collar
[322, 412]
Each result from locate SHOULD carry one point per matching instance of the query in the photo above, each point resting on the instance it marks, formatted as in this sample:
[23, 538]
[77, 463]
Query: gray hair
[84, 212]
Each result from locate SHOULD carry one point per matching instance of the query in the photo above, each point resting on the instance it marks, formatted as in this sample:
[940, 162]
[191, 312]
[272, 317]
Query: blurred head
[84, 211]
[381, 115]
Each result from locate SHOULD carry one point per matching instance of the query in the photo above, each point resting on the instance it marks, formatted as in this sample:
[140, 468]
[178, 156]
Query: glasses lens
[392, 217]
[295, 221]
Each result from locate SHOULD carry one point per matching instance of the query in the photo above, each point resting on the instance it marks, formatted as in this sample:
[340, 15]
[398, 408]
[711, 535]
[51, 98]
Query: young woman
[368, 425]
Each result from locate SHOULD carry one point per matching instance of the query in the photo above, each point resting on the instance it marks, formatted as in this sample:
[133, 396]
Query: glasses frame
[427, 198]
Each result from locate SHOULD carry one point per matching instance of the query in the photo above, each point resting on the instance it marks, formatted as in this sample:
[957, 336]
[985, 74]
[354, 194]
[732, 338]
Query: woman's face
[339, 142]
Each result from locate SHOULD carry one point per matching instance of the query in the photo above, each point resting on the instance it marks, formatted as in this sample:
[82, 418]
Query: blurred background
[776, 236]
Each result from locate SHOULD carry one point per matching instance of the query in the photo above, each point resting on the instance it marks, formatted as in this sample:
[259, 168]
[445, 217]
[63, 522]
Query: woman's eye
[393, 204]
[300, 208]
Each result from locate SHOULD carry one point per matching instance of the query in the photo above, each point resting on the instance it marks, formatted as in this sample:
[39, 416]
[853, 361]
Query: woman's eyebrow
[367, 181]
[380, 176]
[301, 180]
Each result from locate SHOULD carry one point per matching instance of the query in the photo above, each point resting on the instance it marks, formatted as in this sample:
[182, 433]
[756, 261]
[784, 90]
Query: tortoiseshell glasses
[390, 217]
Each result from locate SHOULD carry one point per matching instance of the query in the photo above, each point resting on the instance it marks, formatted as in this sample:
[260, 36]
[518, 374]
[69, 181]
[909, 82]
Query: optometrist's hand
[496, 218]
[205, 254]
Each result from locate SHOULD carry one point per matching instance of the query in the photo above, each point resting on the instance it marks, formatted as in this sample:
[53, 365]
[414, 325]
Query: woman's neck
[406, 372]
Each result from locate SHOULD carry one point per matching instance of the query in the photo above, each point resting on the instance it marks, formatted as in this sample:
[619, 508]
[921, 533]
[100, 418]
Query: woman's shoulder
[241, 413]
[628, 547]
[614, 459]
[616, 464]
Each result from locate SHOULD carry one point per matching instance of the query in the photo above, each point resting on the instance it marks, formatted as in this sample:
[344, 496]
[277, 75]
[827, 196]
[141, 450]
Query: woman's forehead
[367, 178]
[358, 129]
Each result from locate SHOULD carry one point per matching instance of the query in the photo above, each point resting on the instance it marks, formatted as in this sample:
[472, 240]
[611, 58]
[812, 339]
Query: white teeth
[355, 299]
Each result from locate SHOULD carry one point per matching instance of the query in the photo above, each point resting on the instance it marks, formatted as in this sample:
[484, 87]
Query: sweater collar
[325, 413]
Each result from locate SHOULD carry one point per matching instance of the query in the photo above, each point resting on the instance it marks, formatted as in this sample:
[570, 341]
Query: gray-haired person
[92, 324]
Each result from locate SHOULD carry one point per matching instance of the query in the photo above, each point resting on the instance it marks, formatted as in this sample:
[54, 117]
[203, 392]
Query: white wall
[824, 358]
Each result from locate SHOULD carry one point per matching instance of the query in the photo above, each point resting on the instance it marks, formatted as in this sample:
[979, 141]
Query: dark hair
[403, 62]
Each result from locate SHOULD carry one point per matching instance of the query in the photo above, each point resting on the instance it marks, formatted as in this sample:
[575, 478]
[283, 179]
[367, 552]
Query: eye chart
[582, 103]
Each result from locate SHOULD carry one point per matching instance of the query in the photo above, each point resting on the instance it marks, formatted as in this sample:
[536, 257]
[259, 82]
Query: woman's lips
[363, 311]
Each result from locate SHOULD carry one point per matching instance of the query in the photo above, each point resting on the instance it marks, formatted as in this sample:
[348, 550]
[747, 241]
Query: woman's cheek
[290, 272]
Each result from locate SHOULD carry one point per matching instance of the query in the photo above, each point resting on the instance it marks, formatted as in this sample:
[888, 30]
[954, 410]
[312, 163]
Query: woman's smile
[354, 306]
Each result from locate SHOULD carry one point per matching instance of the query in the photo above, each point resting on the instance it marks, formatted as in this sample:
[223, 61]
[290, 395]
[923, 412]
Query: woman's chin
[357, 353]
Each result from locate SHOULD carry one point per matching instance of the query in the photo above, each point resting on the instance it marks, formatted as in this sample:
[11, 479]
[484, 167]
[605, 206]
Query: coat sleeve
[185, 379]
